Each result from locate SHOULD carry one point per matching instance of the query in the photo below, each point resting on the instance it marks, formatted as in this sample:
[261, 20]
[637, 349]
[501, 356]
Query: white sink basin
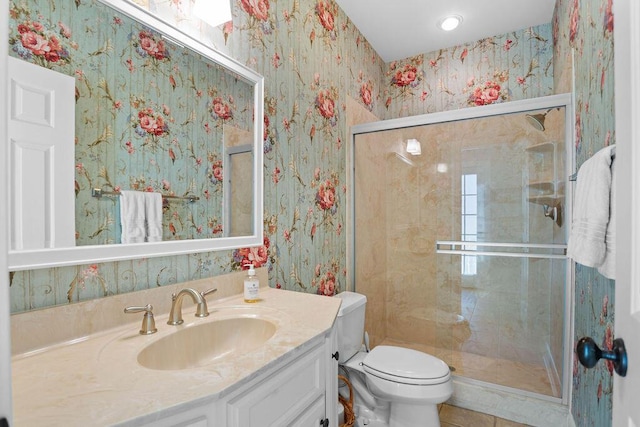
[201, 344]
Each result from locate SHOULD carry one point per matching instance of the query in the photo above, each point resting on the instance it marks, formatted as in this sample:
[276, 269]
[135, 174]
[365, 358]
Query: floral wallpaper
[314, 60]
[586, 27]
[149, 114]
[506, 67]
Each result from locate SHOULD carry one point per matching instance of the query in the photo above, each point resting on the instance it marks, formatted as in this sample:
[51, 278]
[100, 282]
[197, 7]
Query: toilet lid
[405, 365]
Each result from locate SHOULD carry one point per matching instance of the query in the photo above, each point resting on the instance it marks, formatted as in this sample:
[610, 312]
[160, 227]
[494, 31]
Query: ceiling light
[413, 147]
[213, 12]
[450, 22]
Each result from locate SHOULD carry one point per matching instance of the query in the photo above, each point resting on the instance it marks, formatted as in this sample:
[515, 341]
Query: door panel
[5, 339]
[626, 411]
[41, 145]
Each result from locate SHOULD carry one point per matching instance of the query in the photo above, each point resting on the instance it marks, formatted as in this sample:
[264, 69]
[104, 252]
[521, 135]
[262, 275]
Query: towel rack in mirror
[98, 193]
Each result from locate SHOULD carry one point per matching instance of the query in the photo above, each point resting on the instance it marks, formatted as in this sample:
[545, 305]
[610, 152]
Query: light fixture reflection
[413, 147]
[213, 12]
[449, 23]
[404, 159]
[442, 167]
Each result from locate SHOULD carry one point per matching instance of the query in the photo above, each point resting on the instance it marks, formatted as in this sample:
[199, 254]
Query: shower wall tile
[371, 241]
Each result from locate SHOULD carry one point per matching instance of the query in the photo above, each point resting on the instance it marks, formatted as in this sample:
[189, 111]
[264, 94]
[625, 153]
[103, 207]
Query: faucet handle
[202, 310]
[148, 322]
[208, 291]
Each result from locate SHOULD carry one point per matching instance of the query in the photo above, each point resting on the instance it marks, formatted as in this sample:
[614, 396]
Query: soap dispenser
[251, 286]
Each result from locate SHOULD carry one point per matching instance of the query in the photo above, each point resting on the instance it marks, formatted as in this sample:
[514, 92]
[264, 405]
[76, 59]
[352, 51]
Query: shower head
[536, 120]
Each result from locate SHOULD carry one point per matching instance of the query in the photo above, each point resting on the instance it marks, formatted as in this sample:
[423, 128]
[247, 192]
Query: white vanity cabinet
[200, 416]
[299, 390]
[288, 380]
[283, 398]
[302, 392]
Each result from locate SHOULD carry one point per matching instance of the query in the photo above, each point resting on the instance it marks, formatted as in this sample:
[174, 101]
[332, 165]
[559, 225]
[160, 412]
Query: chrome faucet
[148, 323]
[175, 317]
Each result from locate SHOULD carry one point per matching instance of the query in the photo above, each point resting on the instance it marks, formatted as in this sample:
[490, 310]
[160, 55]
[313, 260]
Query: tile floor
[452, 416]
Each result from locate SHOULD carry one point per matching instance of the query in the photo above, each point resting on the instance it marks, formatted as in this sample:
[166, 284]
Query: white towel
[608, 267]
[132, 217]
[153, 210]
[591, 211]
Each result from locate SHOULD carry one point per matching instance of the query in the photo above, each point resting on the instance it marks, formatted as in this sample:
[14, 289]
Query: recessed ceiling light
[450, 22]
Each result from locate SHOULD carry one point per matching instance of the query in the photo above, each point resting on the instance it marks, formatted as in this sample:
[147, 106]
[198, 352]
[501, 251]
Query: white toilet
[394, 386]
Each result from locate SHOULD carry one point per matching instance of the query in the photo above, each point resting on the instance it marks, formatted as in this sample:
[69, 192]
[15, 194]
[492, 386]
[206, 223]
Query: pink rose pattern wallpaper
[149, 114]
[503, 68]
[312, 58]
[586, 26]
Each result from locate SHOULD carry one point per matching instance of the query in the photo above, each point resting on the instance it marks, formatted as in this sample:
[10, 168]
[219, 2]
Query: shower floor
[524, 376]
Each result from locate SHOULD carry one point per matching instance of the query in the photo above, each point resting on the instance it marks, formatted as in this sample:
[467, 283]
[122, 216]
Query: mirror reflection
[237, 182]
[150, 116]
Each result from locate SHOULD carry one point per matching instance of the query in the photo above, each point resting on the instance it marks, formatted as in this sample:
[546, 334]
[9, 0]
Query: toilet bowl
[403, 386]
[407, 376]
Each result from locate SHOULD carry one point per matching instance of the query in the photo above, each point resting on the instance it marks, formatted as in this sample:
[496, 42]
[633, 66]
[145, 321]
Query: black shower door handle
[589, 353]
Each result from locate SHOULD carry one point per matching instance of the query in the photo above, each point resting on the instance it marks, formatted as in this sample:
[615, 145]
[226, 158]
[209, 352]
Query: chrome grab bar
[457, 247]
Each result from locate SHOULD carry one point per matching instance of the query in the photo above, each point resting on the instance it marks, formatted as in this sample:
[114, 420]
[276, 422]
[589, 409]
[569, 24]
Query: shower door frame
[542, 103]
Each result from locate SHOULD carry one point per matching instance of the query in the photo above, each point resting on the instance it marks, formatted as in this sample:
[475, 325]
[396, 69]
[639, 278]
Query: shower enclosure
[459, 243]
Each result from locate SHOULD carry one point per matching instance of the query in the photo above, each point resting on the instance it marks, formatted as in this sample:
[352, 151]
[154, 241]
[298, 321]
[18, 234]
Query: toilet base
[365, 417]
[407, 415]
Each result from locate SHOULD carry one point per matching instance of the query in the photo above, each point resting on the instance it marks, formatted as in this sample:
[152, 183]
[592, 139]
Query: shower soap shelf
[546, 200]
[542, 147]
[546, 187]
[543, 187]
[542, 174]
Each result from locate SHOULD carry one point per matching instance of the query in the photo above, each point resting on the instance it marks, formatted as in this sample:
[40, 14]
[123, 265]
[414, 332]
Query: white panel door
[5, 339]
[626, 410]
[41, 156]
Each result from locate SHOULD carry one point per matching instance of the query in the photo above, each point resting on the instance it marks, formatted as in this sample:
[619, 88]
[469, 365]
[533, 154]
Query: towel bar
[98, 192]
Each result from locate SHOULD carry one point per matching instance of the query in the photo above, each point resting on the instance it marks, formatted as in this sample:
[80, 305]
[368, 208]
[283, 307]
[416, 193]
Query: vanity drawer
[283, 397]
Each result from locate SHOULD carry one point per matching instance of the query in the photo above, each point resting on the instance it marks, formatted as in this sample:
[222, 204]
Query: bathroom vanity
[268, 363]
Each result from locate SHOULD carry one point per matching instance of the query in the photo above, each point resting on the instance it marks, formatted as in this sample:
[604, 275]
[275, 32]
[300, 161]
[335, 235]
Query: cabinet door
[332, 377]
[312, 417]
[281, 398]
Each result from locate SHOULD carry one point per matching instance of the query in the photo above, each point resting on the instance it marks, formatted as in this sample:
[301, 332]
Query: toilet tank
[350, 324]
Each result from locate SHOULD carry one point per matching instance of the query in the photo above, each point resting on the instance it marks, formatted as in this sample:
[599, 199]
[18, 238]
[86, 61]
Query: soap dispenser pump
[251, 286]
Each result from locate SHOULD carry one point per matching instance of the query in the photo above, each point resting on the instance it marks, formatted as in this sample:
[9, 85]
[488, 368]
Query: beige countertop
[96, 379]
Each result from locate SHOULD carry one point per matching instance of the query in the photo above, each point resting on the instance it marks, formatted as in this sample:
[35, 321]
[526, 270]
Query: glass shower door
[509, 284]
[466, 261]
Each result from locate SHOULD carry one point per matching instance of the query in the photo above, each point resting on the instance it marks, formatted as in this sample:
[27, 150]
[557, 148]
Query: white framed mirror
[151, 143]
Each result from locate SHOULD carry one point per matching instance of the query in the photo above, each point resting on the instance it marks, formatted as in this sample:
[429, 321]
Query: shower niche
[545, 183]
